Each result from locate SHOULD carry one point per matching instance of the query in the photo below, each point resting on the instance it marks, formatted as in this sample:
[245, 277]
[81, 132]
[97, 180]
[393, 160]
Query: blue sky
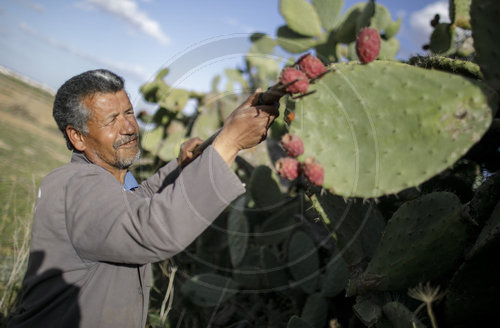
[50, 41]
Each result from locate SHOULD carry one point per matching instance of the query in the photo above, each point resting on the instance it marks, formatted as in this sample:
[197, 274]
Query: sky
[50, 41]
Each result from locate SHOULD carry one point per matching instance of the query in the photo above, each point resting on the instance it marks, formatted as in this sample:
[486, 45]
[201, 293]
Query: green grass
[30, 147]
[25, 158]
[27, 89]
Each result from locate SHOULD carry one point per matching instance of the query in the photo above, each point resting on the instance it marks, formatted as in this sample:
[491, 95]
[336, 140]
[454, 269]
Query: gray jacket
[93, 241]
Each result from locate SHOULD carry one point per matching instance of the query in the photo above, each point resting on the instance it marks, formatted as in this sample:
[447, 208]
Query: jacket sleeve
[165, 175]
[107, 223]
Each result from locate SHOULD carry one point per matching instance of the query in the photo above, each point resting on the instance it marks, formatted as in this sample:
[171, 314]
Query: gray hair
[68, 107]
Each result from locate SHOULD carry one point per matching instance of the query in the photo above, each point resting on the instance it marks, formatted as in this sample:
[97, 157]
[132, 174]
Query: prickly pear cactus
[484, 20]
[209, 289]
[315, 311]
[301, 17]
[423, 239]
[317, 25]
[328, 12]
[237, 226]
[297, 322]
[303, 261]
[367, 311]
[472, 298]
[400, 317]
[357, 227]
[264, 188]
[460, 13]
[383, 127]
[336, 276]
[442, 39]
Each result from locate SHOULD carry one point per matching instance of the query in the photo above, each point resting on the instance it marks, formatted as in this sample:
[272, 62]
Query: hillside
[30, 147]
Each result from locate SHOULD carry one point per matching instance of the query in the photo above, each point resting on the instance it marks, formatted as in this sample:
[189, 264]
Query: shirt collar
[129, 183]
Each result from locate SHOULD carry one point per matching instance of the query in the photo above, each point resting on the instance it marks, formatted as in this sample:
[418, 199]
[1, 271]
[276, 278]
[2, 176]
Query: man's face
[112, 142]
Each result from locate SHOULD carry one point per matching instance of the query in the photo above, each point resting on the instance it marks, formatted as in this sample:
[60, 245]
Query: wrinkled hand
[245, 127]
[186, 152]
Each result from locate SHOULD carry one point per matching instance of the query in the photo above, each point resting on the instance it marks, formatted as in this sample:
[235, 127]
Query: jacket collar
[129, 183]
[79, 157]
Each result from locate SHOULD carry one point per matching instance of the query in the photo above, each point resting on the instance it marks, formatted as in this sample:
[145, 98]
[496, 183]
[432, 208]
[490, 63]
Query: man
[95, 231]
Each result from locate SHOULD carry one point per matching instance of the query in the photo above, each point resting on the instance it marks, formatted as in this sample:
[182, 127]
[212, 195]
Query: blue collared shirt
[130, 182]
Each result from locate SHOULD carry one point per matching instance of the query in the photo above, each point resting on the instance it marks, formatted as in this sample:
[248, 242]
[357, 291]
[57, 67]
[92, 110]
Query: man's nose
[128, 125]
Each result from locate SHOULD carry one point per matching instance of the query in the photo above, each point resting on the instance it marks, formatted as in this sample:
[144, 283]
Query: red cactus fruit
[313, 171]
[292, 144]
[288, 168]
[290, 74]
[290, 117]
[368, 45]
[311, 66]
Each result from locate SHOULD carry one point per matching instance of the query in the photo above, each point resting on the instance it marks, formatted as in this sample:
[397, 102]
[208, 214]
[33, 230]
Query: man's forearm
[225, 150]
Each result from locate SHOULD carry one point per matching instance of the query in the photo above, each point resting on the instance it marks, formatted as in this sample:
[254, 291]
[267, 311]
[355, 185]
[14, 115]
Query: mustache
[125, 139]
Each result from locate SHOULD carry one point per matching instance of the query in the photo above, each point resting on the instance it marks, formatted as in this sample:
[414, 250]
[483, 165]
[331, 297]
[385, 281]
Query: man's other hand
[186, 152]
[245, 127]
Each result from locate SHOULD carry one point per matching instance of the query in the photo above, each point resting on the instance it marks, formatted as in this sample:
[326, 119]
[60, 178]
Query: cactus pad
[297, 322]
[301, 17]
[303, 261]
[237, 234]
[358, 227]
[484, 20]
[400, 316]
[460, 13]
[328, 12]
[209, 289]
[336, 276]
[423, 239]
[315, 311]
[292, 41]
[383, 127]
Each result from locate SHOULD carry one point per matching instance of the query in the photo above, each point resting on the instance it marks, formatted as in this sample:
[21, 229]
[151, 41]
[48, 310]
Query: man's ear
[76, 137]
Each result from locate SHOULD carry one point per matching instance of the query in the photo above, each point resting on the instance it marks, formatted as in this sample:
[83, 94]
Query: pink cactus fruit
[311, 66]
[292, 144]
[313, 171]
[288, 168]
[368, 45]
[290, 74]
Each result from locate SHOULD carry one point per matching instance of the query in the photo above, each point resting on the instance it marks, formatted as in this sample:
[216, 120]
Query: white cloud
[135, 71]
[129, 11]
[420, 21]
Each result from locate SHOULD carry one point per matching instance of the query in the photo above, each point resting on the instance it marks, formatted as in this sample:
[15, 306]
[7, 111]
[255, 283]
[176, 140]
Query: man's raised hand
[245, 127]
[186, 152]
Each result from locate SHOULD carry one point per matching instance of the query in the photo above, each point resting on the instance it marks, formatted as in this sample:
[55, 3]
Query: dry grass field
[30, 147]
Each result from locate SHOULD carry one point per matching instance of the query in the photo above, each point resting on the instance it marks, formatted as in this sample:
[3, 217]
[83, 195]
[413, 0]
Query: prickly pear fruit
[290, 117]
[289, 75]
[292, 144]
[368, 45]
[311, 66]
[313, 171]
[288, 167]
